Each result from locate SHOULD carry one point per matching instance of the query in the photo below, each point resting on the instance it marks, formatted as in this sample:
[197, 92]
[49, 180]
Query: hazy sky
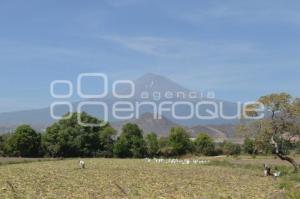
[239, 49]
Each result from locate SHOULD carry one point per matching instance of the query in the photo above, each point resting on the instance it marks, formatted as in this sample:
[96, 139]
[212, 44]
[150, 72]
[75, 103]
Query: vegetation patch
[131, 178]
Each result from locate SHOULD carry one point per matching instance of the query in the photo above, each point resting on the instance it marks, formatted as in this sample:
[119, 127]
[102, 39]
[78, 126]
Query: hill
[149, 83]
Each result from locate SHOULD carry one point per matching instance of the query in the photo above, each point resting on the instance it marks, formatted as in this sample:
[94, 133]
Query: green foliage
[164, 148]
[163, 142]
[281, 121]
[121, 149]
[25, 142]
[284, 118]
[179, 141]
[130, 142]
[152, 144]
[249, 146]
[277, 132]
[107, 139]
[230, 148]
[204, 144]
[3, 139]
[67, 138]
[276, 101]
[218, 149]
[263, 136]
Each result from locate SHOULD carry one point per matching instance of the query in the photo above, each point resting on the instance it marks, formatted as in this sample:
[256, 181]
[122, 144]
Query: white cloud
[22, 52]
[245, 12]
[178, 48]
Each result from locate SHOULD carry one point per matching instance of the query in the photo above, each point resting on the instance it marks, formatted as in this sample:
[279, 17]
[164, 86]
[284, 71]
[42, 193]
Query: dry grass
[258, 160]
[8, 160]
[115, 178]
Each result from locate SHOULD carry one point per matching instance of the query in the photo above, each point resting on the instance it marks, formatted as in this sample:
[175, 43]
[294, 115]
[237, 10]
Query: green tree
[262, 139]
[121, 148]
[24, 142]
[257, 131]
[67, 138]
[204, 144]
[130, 143]
[249, 146]
[152, 144]
[164, 148]
[163, 142]
[107, 139]
[3, 139]
[230, 148]
[282, 124]
[179, 141]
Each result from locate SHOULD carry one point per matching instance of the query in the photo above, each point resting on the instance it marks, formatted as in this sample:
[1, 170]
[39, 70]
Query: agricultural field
[132, 178]
[5, 160]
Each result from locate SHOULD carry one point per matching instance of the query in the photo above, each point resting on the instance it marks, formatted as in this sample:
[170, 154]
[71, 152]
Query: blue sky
[239, 49]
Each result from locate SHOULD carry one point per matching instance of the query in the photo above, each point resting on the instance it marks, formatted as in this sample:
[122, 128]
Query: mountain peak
[151, 75]
[154, 82]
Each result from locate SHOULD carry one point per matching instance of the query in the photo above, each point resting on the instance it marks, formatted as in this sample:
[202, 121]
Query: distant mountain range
[147, 122]
[162, 127]
[151, 84]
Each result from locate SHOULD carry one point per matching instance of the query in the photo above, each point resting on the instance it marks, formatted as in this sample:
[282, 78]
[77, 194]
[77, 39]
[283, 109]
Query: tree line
[66, 138]
[277, 133]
